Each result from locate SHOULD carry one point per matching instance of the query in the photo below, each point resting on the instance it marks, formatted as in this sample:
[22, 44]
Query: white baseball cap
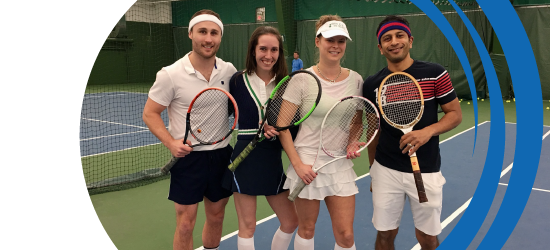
[333, 28]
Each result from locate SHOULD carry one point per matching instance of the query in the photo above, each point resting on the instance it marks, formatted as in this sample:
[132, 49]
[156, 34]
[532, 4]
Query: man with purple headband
[391, 172]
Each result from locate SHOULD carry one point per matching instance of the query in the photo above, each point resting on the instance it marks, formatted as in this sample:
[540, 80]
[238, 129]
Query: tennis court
[142, 217]
[462, 171]
[110, 129]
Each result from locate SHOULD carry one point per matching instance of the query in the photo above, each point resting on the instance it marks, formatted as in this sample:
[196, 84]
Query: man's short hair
[205, 11]
[297, 52]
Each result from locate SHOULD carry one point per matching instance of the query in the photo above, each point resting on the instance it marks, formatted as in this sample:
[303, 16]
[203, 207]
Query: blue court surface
[462, 170]
[112, 121]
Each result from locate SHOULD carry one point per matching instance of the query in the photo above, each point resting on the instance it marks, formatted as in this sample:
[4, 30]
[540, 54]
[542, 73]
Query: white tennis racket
[349, 126]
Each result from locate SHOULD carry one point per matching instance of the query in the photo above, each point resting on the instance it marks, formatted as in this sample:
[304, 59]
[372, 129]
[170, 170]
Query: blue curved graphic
[470, 223]
[527, 90]
[433, 13]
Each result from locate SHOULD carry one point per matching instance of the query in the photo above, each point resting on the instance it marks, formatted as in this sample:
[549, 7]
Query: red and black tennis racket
[211, 118]
[401, 103]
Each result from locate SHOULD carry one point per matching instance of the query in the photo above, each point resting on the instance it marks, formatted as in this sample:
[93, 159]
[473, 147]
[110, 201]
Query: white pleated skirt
[335, 179]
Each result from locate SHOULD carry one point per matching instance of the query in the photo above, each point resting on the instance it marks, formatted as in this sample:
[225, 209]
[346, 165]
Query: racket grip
[297, 190]
[246, 151]
[418, 180]
[169, 165]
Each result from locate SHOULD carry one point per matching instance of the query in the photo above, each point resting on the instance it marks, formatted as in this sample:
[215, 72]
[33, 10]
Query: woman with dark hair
[261, 173]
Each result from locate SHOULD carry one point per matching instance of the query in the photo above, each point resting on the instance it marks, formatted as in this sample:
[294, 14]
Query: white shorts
[389, 190]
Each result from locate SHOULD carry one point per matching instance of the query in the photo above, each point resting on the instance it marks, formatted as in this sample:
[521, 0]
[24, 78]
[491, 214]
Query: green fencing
[536, 22]
[137, 58]
[363, 56]
[230, 11]
[312, 9]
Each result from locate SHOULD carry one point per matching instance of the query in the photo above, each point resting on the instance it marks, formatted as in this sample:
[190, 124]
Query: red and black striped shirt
[437, 90]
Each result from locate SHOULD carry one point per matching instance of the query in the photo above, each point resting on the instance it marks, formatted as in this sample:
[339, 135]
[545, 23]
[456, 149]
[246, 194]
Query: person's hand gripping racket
[211, 118]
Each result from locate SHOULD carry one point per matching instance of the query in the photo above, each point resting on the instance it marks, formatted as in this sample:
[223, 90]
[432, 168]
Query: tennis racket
[402, 104]
[211, 118]
[290, 103]
[349, 126]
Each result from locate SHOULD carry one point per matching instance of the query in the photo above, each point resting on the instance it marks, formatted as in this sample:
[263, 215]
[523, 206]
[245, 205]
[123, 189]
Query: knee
[184, 222]
[306, 231]
[345, 238]
[215, 217]
[185, 227]
[427, 241]
[247, 229]
[387, 235]
[288, 226]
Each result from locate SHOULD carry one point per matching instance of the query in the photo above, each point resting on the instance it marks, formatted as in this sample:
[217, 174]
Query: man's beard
[197, 49]
[398, 58]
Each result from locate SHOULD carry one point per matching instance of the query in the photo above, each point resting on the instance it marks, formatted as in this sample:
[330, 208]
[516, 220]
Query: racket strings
[349, 127]
[212, 116]
[401, 100]
[294, 99]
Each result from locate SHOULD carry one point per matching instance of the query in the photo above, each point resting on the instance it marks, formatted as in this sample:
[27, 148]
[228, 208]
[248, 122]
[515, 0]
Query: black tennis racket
[401, 103]
[349, 126]
[211, 118]
[290, 103]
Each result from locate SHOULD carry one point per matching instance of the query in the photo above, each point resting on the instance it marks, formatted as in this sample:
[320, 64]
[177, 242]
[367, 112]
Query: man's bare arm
[153, 120]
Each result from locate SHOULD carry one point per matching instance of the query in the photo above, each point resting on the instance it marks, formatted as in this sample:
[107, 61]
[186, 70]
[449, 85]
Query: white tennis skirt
[335, 179]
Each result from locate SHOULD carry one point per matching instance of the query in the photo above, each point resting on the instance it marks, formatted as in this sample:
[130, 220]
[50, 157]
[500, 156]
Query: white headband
[333, 28]
[205, 17]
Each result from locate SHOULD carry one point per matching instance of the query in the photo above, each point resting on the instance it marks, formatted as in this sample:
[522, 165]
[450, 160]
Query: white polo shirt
[176, 86]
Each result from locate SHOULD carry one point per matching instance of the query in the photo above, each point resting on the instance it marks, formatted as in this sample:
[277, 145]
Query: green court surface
[143, 218]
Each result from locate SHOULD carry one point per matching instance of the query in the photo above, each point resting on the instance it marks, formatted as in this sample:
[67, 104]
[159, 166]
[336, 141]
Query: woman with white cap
[335, 183]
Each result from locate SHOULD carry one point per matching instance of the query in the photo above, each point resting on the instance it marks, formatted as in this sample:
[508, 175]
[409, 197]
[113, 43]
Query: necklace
[332, 81]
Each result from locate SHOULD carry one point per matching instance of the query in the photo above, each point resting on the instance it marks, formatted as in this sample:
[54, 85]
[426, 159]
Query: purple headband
[393, 26]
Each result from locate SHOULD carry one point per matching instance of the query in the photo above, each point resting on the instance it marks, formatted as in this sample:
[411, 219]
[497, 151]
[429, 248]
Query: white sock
[303, 244]
[215, 248]
[245, 243]
[281, 240]
[337, 247]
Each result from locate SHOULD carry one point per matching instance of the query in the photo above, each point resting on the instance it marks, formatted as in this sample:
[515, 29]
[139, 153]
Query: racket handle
[297, 190]
[418, 180]
[246, 151]
[169, 165]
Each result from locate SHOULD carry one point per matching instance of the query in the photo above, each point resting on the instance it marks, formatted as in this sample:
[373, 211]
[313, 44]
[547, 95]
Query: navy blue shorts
[199, 174]
[261, 173]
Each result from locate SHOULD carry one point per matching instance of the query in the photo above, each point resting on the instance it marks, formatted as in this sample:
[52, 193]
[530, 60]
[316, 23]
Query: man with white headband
[391, 172]
[198, 176]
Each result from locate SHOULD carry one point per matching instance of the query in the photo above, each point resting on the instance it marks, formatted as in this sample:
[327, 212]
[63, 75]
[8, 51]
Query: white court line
[99, 137]
[465, 205]
[103, 95]
[358, 178]
[82, 157]
[537, 189]
[462, 132]
[516, 124]
[114, 123]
